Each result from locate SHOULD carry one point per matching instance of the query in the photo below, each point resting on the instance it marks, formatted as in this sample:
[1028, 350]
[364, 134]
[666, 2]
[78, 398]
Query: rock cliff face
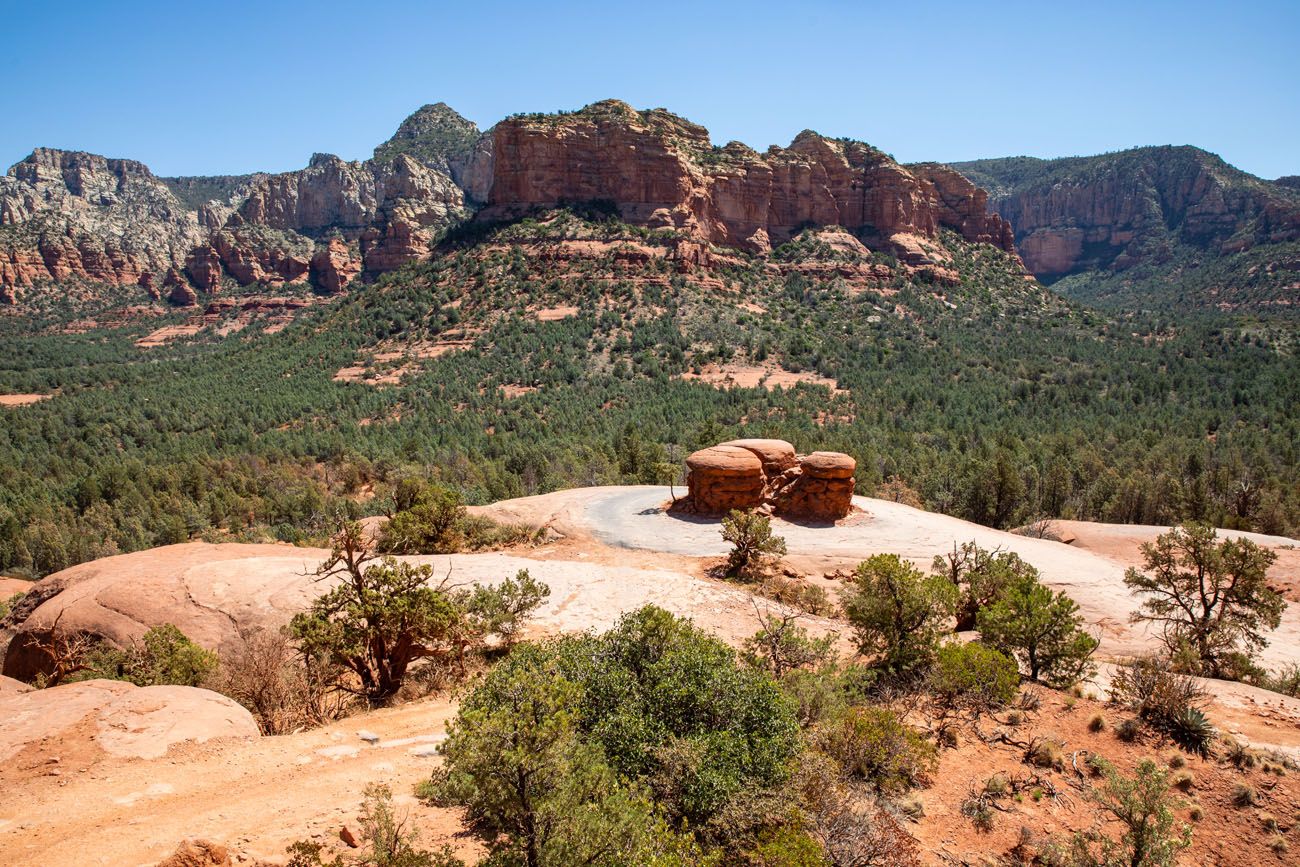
[1118, 210]
[660, 170]
[70, 216]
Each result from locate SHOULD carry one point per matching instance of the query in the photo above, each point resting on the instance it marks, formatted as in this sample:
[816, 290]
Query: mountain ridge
[1114, 225]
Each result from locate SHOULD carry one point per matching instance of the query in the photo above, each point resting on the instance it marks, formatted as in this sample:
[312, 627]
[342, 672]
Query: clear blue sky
[232, 87]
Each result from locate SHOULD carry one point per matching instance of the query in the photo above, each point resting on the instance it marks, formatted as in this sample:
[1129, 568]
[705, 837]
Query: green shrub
[973, 674]
[753, 547]
[1169, 702]
[163, 656]
[1144, 808]
[383, 617]
[872, 744]
[897, 613]
[1043, 630]
[1210, 599]
[654, 708]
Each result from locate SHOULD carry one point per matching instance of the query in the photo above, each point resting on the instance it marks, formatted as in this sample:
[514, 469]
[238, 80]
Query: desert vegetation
[1126, 422]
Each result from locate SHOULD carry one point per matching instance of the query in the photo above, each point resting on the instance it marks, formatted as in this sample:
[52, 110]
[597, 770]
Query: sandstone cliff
[660, 170]
[70, 216]
[1139, 206]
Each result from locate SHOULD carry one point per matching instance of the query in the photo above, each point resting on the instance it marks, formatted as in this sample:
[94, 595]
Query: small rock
[346, 835]
[368, 737]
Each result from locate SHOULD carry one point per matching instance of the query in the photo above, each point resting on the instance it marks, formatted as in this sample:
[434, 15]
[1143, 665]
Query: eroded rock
[767, 475]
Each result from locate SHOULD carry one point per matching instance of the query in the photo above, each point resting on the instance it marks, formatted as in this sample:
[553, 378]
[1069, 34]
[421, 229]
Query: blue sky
[225, 88]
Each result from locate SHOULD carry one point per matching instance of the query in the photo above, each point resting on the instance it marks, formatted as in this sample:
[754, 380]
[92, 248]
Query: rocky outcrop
[660, 170]
[119, 718]
[767, 475]
[1119, 210]
[722, 478]
[334, 266]
[819, 489]
[67, 215]
[438, 137]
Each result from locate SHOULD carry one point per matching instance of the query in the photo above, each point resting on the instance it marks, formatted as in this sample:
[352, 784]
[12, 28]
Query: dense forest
[970, 388]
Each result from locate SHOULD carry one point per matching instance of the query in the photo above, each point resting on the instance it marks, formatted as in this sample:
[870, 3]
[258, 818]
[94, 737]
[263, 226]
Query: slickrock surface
[123, 720]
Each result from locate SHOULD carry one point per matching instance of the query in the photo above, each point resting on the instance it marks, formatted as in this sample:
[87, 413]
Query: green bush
[164, 656]
[1169, 702]
[874, 745]
[1042, 629]
[1144, 808]
[973, 674]
[753, 547]
[653, 708]
[382, 617]
[897, 613]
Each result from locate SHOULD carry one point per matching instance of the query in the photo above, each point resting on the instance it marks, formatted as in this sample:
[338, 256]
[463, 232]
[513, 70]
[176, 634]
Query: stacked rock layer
[767, 475]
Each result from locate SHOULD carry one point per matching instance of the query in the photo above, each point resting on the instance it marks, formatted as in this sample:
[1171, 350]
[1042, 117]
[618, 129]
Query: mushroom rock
[726, 477]
[777, 456]
[822, 490]
[768, 475]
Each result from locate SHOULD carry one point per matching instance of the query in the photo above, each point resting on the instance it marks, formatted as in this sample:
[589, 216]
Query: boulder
[722, 478]
[777, 456]
[121, 719]
[198, 853]
[821, 490]
[828, 465]
[209, 592]
[767, 474]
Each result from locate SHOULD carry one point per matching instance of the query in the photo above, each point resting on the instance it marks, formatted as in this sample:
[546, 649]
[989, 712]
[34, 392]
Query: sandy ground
[616, 550]
[22, 399]
[257, 796]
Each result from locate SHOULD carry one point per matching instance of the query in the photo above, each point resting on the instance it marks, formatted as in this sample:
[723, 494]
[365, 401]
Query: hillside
[1154, 228]
[570, 349]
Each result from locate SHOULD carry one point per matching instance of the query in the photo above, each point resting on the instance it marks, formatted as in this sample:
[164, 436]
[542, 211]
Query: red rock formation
[661, 170]
[1118, 210]
[767, 475]
[722, 478]
[180, 292]
[86, 218]
[821, 489]
[334, 266]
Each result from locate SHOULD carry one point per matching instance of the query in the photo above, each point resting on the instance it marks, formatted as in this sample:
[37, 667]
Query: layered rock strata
[767, 475]
[661, 170]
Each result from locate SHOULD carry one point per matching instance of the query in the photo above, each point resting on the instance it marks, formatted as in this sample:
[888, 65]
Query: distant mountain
[90, 225]
[78, 221]
[1150, 226]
